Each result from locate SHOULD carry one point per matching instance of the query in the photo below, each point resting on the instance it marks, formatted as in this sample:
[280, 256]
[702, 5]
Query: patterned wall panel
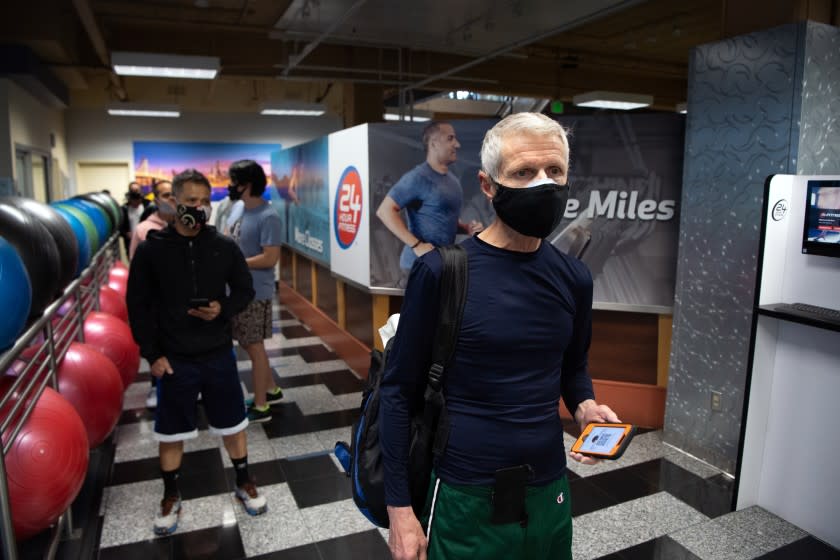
[739, 130]
[819, 135]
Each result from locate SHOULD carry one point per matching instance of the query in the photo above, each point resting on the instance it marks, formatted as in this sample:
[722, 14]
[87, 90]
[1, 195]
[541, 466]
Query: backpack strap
[453, 295]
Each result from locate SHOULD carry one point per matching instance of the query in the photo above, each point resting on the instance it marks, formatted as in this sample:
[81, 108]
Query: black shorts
[217, 379]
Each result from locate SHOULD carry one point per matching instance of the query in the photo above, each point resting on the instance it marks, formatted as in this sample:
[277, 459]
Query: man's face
[828, 198]
[528, 157]
[194, 194]
[164, 193]
[135, 195]
[444, 145]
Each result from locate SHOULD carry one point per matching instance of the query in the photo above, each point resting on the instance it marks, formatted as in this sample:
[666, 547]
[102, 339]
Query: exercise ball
[111, 207]
[93, 198]
[62, 233]
[90, 230]
[96, 215]
[112, 337]
[113, 303]
[80, 236]
[115, 208]
[90, 381]
[118, 278]
[37, 250]
[15, 294]
[46, 463]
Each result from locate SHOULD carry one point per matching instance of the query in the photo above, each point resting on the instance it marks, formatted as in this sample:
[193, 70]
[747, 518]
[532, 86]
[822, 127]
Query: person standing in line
[500, 489]
[258, 233]
[133, 208]
[185, 284]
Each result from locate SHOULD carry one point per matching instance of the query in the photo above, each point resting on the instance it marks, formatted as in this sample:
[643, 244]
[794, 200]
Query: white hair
[530, 123]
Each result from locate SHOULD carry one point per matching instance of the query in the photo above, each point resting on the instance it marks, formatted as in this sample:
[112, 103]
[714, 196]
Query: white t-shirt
[134, 217]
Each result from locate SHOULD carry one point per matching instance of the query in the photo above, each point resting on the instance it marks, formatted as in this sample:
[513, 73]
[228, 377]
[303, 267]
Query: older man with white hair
[499, 489]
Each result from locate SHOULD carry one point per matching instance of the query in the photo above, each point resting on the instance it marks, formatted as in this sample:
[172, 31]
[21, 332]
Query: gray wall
[755, 103]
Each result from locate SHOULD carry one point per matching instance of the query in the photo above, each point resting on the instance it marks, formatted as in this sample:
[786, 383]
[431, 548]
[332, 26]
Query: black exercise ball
[62, 233]
[94, 198]
[38, 252]
[116, 211]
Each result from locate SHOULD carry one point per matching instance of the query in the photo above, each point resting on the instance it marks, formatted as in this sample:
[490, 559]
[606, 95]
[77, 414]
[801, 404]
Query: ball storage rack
[61, 323]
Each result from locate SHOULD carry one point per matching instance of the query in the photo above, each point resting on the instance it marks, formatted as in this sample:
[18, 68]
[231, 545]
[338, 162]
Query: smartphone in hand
[199, 302]
[604, 440]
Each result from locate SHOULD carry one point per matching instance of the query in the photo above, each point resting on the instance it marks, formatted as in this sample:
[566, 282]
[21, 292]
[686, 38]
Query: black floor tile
[286, 315]
[808, 548]
[663, 548]
[321, 490]
[210, 544]
[297, 331]
[359, 546]
[263, 474]
[316, 353]
[711, 497]
[338, 382]
[202, 473]
[288, 421]
[587, 498]
[135, 415]
[308, 467]
[621, 485]
[305, 552]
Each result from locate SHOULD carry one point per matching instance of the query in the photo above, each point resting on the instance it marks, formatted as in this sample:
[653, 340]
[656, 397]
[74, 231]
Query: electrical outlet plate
[715, 403]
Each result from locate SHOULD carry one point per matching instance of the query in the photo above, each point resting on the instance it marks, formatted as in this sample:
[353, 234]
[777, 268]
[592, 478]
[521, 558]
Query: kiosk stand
[789, 460]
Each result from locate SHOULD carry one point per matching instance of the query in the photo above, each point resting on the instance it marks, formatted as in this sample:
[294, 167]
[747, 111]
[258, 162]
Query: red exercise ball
[111, 302]
[119, 284]
[46, 464]
[118, 270]
[92, 384]
[112, 337]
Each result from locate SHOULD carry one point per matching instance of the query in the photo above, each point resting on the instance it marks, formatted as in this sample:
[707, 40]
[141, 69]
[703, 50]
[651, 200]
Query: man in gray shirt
[258, 233]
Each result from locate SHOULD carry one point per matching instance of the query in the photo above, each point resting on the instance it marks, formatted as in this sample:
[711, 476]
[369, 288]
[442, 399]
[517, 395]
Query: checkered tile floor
[655, 503]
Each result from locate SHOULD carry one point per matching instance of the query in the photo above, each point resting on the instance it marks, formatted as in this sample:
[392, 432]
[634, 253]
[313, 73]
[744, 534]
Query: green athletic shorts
[460, 526]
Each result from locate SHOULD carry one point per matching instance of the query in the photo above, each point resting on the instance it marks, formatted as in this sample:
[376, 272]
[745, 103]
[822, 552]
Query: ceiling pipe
[297, 59]
[89, 23]
[525, 42]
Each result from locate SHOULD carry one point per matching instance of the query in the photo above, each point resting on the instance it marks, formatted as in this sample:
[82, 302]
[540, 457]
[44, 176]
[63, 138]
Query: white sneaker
[151, 398]
[166, 520]
[253, 502]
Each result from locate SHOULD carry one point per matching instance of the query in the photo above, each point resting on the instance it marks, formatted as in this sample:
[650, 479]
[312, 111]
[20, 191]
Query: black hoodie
[168, 270]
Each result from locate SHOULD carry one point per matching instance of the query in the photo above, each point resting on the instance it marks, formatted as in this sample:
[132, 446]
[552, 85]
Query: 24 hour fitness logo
[348, 207]
[779, 210]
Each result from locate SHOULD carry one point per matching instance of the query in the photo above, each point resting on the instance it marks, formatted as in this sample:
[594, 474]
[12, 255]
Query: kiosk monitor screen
[821, 235]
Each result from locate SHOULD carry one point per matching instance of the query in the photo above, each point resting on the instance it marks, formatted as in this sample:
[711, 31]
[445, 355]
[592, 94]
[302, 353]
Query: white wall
[93, 135]
[31, 123]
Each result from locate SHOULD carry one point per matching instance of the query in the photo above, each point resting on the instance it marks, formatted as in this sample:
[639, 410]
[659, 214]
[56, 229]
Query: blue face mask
[534, 210]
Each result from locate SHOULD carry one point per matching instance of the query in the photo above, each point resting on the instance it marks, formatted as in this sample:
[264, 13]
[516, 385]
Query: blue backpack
[362, 458]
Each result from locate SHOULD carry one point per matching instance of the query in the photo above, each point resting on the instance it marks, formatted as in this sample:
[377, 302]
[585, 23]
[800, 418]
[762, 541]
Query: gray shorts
[253, 324]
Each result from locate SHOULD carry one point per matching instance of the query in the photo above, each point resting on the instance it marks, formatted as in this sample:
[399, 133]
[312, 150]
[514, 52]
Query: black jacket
[168, 270]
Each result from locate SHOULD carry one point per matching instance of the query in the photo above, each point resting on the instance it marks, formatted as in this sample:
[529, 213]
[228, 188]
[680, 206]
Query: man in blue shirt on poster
[432, 198]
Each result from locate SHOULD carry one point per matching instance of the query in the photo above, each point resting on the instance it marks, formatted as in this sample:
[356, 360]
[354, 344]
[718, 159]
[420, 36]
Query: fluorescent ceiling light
[408, 118]
[612, 100]
[165, 65]
[682, 108]
[143, 110]
[293, 109]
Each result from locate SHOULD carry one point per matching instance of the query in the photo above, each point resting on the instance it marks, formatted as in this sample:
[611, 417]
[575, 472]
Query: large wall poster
[301, 197]
[154, 161]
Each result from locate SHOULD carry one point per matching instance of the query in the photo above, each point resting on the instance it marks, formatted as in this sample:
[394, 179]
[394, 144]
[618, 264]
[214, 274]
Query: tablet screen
[602, 439]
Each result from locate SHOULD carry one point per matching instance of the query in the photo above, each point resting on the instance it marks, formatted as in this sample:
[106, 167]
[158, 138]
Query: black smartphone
[199, 302]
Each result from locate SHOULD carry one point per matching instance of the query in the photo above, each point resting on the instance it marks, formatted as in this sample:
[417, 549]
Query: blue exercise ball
[80, 233]
[37, 250]
[15, 294]
[96, 215]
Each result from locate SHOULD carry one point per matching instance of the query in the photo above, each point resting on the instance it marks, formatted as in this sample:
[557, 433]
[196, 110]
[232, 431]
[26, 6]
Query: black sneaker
[255, 415]
[274, 396]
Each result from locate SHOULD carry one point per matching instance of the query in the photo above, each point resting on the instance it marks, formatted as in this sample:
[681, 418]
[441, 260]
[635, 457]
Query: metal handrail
[37, 372]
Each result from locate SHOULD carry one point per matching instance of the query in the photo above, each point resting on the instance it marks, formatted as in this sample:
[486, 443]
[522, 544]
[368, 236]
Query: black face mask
[134, 195]
[233, 192]
[532, 211]
[193, 217]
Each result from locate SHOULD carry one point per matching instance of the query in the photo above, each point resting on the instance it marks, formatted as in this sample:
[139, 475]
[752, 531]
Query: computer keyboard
[811, 311]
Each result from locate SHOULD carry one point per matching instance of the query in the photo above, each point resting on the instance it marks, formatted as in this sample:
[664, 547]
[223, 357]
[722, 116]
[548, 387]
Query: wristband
[416, 244]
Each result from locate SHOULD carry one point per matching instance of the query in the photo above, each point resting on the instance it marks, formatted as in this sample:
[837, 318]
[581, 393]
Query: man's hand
[423, 248]
[405, 539]
[161, 366]
[587, 412]
[207, 313]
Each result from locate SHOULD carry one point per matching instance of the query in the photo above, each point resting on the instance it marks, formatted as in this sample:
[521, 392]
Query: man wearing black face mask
[501, 490]
[185, 284]
[132, 211]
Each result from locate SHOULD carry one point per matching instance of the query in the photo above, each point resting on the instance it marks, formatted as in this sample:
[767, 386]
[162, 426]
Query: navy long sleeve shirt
[523, 346]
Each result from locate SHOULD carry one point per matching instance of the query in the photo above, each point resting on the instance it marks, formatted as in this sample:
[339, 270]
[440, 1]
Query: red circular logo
[348, 207]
